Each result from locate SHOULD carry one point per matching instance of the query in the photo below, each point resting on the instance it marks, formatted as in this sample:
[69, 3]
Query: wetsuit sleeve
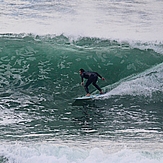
[82, 78]
[98, 74]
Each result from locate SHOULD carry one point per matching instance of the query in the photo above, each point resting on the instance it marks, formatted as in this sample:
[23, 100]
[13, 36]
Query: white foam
[45, 152]
[146, 84]
[141, 20]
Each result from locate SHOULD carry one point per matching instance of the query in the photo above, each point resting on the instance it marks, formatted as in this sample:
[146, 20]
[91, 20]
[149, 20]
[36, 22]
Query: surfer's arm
[100, 76]
[82, 80]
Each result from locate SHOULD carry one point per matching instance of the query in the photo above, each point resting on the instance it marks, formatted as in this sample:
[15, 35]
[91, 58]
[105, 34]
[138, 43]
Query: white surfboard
[88, 97]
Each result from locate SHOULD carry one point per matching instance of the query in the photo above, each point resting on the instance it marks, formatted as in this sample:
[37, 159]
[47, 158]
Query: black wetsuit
[92, 78]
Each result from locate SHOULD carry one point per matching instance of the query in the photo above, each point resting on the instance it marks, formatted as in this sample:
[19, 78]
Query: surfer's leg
[94, 83]
[97, 87]
[89, 81]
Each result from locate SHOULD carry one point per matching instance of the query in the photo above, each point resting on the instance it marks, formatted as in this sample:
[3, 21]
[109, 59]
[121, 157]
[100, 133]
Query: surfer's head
[81, 71]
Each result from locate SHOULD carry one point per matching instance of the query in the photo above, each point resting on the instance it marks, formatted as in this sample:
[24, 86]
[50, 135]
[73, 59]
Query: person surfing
[92, 78]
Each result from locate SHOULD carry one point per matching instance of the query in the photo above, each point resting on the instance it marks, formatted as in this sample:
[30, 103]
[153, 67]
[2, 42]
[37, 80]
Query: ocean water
[43, 44]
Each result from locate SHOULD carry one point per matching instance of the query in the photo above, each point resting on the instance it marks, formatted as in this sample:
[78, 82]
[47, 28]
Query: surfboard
[91, 97]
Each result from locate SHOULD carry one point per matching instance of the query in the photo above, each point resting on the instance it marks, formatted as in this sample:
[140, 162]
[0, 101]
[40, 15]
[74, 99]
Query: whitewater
[133, 20]
[43, 44]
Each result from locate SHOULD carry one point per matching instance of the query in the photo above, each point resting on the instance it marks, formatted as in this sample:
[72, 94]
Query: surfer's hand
[82, 83]
[103, 78]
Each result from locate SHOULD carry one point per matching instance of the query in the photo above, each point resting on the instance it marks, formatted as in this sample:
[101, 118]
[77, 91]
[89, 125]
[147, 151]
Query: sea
[43, 44]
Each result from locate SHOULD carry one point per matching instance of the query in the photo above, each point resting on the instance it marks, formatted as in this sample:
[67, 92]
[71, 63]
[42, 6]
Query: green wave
[50, 64]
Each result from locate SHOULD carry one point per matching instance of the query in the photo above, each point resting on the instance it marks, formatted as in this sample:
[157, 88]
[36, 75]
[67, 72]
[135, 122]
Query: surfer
[92, 79]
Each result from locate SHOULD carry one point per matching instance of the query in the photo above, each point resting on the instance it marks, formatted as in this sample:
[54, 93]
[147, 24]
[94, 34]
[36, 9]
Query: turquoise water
[39, 78]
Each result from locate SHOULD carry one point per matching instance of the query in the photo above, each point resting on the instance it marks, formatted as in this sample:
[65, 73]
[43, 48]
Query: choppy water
[43, 44]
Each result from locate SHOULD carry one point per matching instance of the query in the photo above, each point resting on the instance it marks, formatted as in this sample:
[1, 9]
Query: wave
[52, 63]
